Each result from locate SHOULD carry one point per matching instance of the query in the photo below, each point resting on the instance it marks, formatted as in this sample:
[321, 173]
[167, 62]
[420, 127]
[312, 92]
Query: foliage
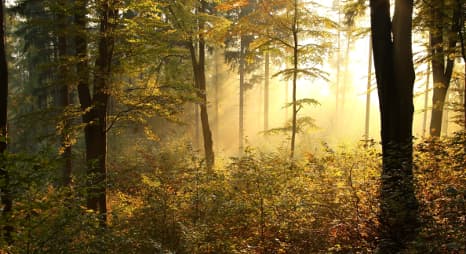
[161, 202]
[46, 218]
[257, 203]
[162, 195]
[441, 182]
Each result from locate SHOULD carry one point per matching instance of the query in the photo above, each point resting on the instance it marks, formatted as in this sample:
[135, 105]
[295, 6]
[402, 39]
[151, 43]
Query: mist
[339, 121]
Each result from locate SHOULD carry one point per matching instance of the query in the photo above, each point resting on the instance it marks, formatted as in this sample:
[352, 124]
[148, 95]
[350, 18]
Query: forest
[233, 126]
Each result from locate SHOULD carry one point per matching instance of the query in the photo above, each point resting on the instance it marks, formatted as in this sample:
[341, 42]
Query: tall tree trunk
[64, 97]
[441, 71]
[97, 153]
[217, 92]
[426, 101]
[445, 116]
[5, 194]
[368, 95]
[393, 61]
[266, 90]
[241, 94]
[295, 79]
[198, 63]
[82, 66]
[200, 85]
[95, 116]
[337, 86]
[461, 33]
[197, 128]
[82, 70]
[345, 84]
[287, 95]
[207, 134]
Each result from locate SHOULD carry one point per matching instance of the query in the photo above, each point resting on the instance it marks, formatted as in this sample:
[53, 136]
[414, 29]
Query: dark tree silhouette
[442, 39]
[393, 61]
[95, 107]
[4, 179]
[64, 89]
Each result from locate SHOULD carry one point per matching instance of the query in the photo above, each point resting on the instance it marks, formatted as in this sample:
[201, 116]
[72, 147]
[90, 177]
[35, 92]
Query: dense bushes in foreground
[167, 202]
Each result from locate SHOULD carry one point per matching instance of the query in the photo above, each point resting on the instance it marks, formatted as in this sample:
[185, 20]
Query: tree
[63, 80]
[197, 48]
[5, 195]
[461, 30]
[293, 22]
[45, 63]
[442, 19]
[368, 95]
[337, 5]
[240, 54]
[95, 106]
[191, 19]
[393, 62]
[38, 60]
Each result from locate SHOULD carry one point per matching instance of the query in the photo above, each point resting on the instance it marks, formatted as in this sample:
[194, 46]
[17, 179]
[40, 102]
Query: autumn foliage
[327, 202]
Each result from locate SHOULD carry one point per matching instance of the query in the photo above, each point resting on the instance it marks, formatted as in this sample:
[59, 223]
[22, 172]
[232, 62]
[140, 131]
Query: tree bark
[198, 64]
[95, 108]
[64, 97]
[393, 61]
[426, 101]
[368, 95]
[5, 194]
[206, 132]
[241, 94]
[217, 56]
[442, 64]
[97, 153]
[461, 33]
[295, 79]
[346, 76]
[337, 85]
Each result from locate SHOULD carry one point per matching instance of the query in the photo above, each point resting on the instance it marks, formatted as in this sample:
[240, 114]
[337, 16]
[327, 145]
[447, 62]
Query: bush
[167, 201]
[441, 178]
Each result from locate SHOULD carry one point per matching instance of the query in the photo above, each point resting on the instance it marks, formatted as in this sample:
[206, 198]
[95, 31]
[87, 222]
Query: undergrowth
[166, 201]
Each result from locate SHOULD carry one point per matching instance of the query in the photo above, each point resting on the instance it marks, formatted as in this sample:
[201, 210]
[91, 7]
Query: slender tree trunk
[441, 72]
[98, 128]
[197, 127]
[461, 31]
[287, 97]
[241, 95]
[95, 117]
[200, 83]
[82, 70]
[337, 86]
[207, 134]
[426, 101]
[217, 93]
[368, 95]
[295, 79]
[393, 61]
[345, 84]
[82, 66]
[64, 98]
[198, 63]
[266, 90]
[445, 116]
[5, 194]
[438, 102]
